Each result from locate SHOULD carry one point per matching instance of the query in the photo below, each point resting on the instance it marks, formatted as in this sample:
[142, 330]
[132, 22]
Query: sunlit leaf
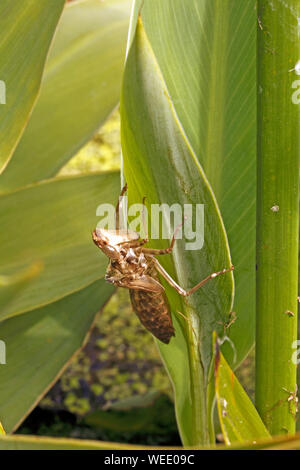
[2, 429]
[240, 421]
[52, 222]
[11, 286]
[26, 29]
[80, 88]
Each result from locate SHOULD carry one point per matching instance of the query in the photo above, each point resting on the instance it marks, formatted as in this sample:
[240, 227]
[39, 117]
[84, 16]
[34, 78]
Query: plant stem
[198, 385]
[277, 211]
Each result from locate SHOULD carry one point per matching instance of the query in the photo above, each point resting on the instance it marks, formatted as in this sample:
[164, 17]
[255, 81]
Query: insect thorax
[130, 263]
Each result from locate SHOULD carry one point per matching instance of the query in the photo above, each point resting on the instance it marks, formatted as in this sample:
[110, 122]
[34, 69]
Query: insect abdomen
[154, 313]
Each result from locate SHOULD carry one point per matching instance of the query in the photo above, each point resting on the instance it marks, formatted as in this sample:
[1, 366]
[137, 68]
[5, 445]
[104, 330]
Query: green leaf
[80, 88]
[39, 346]
[238, 417]
[26, 32]
[52, 222]
[11, 286]
[277, 213]
[206, 50]
[161, 165]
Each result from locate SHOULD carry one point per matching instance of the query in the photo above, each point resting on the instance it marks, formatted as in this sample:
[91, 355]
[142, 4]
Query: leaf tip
[140, 24]
[2, 432]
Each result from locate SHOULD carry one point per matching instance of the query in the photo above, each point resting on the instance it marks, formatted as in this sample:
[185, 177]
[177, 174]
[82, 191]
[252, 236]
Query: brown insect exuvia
[135, 267]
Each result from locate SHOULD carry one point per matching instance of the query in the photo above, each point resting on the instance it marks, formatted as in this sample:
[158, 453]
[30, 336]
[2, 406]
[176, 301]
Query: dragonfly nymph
[135, 267]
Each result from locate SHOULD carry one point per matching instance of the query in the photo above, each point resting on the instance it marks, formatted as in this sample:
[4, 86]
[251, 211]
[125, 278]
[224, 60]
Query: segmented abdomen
[153, 311]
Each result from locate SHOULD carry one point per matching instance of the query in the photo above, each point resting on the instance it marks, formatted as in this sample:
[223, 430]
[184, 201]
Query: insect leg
[180, 290]
[163, 251]
[117, 212]
[138, 243]
[134, 243]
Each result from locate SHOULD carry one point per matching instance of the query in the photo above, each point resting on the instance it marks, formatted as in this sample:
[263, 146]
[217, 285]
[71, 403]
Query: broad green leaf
[238, 417]
[11, 286]
[26, 29]
[80, 88]
[206, 50]
[52, 222]
[39, 345]
[161, 165]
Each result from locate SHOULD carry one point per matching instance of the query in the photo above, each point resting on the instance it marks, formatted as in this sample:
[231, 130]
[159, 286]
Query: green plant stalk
[277, 212]
[199, 392]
